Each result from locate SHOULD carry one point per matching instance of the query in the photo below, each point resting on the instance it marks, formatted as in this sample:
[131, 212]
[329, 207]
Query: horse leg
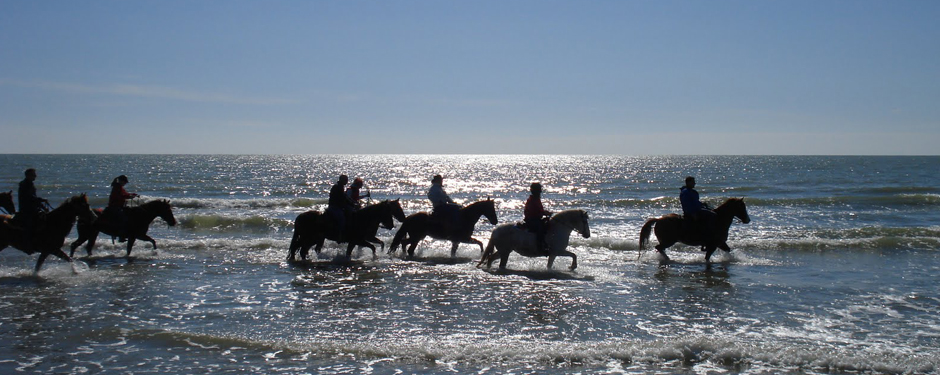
[43, 255]
[551, 260]
[82, 237]
[90, 245]
[574, 259]
[453, 248]
[130, 245]
[503, 259]
[148, 239]
[478, 242]
[708, 253]
[378, 241]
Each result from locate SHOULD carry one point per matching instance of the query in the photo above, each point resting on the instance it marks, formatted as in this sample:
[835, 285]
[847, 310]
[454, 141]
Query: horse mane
[731, 201]
[566, 213]
[72, 199]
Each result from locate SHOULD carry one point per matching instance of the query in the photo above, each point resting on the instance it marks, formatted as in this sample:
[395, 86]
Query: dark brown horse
[312, 228]
[138, 223]
[420, 225]
[50, 230]
[671, 228]
[6, 203]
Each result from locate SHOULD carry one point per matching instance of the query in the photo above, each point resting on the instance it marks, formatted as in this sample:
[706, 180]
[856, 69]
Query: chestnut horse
[138, 223]
[671, 228]
[313, 227]
[51, 230]
[420, 225]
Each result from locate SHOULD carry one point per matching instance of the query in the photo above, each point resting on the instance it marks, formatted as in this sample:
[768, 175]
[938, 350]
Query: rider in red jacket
[533, 213]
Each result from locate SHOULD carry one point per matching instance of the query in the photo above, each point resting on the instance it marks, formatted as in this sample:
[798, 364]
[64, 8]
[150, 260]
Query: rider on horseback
[116, 202]
[693, 209]
[353, 193]
[339, 205]
[535, 215]
[30, 206]
[445, 211]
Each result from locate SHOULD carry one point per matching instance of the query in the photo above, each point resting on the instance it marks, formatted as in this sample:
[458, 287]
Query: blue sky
[518, 76]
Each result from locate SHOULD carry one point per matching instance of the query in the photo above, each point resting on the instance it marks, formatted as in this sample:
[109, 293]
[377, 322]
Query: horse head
[6, 202]
[577, 220]
[585, 228]
[165, 211]
[736, 208]
[397, 212]
[388, 213]
[489, 210]
[78, 205]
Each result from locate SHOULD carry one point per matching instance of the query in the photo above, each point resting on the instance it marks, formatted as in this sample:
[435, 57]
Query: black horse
[673, 228]
[6, 203]
[50, 230]
[138, 223]
[311, 228]
[420, 225]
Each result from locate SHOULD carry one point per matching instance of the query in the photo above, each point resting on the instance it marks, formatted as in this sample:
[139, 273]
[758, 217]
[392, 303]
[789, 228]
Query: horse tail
[645, 232]
[488, 253]
[399, 236]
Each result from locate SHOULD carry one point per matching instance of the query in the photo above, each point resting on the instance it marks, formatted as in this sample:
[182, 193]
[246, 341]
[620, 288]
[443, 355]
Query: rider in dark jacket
[695, 210]
[30, 206]
[339, 205]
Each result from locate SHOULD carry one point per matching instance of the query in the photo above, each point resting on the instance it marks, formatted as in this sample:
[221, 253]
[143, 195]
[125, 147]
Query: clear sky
[517, 76]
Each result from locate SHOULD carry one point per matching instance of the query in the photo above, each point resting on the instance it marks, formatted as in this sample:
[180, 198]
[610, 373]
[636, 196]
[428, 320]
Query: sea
[836, 273]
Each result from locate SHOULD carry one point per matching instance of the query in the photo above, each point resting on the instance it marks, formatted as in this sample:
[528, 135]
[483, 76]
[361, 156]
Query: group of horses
[312, 228]
[52, 227]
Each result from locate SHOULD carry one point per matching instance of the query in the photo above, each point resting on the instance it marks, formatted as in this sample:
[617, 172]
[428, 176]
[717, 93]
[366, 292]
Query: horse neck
[374, 217]
[64, 214]
[474, 210]
[148, 213]
[564, 219]
[724, 213]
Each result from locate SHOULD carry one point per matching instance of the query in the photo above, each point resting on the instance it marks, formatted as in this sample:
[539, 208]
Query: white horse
[507, 238]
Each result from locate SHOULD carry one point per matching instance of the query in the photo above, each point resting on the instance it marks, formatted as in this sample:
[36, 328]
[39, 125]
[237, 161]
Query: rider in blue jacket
[694, 209]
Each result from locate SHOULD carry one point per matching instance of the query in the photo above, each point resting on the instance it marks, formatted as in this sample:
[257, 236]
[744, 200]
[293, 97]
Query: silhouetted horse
[6, 203]
[672, 228]
[507, 238]
[420, 225]
[138, 223]
[50, 230]
[313, 227]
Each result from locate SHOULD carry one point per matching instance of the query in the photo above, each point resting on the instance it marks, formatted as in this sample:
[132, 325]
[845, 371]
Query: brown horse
[311, 228]
[51, 230]
[6, 203]
[671, 228]
[420, 225]
[138, 223]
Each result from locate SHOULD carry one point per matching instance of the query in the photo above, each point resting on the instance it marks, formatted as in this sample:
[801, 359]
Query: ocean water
[837, 272]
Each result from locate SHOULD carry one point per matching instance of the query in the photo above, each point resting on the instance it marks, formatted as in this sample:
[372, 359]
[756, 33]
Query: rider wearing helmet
[353, 192]
[534, 213]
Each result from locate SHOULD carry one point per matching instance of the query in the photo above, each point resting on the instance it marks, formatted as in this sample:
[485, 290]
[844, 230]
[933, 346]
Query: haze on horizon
[486, 77]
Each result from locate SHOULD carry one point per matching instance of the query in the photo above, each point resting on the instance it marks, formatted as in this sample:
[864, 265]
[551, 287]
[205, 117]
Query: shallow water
[836, 273]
